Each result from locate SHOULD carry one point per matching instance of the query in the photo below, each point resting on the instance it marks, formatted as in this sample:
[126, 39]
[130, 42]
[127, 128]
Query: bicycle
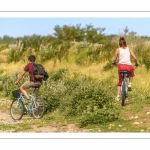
[35, 107]
[124, 85]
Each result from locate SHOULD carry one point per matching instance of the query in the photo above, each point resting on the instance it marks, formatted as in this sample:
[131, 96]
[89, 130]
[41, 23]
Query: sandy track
[5, 119]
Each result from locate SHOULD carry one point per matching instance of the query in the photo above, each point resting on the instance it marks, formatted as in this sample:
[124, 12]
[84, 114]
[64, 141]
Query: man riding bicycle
[32, 82]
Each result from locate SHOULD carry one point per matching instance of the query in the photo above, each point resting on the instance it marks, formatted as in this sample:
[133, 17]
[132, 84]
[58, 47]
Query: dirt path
[5, 119]
[141, 119]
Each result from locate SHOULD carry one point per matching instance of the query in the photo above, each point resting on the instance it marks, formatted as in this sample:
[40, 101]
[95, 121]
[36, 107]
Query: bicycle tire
[123, 93]
[16, 109]
[38, 108]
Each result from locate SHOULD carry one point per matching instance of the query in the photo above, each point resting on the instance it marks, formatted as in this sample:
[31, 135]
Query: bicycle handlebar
[116, 63]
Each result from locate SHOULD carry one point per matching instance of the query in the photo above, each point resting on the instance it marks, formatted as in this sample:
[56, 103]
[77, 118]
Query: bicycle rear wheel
[16, 109]
[38, 108]
[123, 93]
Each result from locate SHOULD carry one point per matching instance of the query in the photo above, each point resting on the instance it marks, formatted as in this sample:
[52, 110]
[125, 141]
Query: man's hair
[32, 58]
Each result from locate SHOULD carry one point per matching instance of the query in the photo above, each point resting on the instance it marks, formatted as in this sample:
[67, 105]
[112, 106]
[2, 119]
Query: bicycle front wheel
[16, 109]
[123, 93]
[38, 108]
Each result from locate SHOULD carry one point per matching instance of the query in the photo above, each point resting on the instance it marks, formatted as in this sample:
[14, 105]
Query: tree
[58, 32]
[94, 35]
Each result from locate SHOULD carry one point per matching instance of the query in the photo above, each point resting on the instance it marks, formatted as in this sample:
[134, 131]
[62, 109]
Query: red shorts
[122, 67]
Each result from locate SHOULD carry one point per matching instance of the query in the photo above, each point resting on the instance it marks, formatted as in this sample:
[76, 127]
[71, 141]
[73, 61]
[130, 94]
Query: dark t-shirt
[29, 68]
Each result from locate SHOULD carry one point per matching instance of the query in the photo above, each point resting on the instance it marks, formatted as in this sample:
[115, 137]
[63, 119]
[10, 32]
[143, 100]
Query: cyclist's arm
[133, 55]
[20, 77]
[116, 55]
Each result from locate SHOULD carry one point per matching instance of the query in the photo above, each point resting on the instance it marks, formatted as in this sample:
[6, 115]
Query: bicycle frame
[125, 76]
[35, 107]
[124, 86]
[23, 99]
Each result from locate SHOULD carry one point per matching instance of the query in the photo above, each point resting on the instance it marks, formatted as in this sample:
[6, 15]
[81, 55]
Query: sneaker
[117, 98]
[129, 88]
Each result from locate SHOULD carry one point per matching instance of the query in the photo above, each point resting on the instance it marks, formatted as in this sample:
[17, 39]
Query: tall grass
[82, 83]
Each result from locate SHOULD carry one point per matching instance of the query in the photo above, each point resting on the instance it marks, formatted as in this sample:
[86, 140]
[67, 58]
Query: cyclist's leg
[24, 86]
[36, 90]
[131, 75]
[120, 77]
[130, 81]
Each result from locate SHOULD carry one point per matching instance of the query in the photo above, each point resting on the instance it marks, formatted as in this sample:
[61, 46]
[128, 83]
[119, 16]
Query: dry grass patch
[4, 52]
[3, 59]
[13, 68]
[3, 56]
[94, 70]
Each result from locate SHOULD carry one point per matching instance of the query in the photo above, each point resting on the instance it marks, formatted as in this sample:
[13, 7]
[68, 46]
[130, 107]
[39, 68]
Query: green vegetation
[72, 93]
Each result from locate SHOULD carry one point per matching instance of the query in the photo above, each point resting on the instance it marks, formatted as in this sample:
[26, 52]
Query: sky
[26, 17]
[19, 27]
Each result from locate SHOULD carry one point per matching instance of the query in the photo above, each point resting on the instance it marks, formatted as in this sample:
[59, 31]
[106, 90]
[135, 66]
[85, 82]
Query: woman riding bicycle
[123, 53]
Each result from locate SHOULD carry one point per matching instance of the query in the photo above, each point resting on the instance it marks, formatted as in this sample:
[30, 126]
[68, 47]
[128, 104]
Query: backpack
[39, 72]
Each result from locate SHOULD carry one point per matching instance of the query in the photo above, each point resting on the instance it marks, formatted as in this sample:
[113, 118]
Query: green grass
[138, 103]
[120, 125]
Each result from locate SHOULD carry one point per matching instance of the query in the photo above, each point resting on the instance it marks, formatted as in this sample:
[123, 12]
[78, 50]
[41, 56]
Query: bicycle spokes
[16, 109]
[38, 108]
[35, 107]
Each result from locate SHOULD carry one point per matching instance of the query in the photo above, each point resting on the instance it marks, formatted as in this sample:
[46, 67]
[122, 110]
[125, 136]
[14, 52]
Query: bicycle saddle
[124, 71]
[37, 86]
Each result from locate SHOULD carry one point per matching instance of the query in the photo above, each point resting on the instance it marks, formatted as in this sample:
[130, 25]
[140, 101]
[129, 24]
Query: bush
[74, 95]
[86, 98]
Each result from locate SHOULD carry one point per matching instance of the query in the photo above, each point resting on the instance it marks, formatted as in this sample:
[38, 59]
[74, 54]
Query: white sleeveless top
[124, 56]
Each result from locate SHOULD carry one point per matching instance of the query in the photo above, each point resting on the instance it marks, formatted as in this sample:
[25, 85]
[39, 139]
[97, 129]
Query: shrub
[74, 95]
[86, 98]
